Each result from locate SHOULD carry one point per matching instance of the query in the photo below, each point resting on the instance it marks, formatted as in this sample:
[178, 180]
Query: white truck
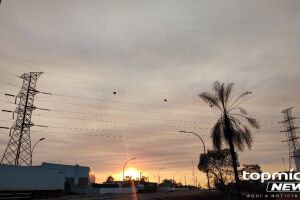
[34, 180]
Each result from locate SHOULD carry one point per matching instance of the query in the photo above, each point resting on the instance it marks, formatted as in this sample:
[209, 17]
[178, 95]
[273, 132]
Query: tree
[251, 168]
[110, 179]
[252, 186]
[144, 179]
[218, 164]
[128, 178]
[229, 128]
[168, 182]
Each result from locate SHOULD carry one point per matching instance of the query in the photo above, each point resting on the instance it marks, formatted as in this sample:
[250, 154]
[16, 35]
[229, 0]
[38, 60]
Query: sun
[132, 172]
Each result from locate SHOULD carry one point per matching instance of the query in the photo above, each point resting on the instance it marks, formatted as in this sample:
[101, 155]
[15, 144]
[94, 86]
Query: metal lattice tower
[290, 131]
[18, 150]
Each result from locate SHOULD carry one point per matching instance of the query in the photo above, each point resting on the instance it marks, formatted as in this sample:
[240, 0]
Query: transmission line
[18, 150]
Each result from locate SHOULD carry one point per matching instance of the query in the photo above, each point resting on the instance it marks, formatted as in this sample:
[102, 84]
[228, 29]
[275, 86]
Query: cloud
[146, 52]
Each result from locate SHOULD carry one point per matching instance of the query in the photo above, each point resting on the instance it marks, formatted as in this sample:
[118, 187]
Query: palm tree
[229, 129]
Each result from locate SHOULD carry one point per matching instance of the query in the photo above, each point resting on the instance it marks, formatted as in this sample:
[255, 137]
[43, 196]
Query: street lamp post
[31, 152]
[125, 166]
[204, 149]
[193, 173]
[174, 175]
[158, 177]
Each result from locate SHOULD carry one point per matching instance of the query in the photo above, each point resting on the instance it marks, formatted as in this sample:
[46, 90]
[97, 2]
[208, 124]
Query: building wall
[74, 174]
[297, 159]
[18, 178]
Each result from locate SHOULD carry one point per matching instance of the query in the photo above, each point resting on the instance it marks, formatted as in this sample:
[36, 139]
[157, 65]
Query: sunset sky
[148, 51]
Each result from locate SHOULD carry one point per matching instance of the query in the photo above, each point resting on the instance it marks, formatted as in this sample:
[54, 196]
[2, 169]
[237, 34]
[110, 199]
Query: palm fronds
[210, 99]
[240, 134]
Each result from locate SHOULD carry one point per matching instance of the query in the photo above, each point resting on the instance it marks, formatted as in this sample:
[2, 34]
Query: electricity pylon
[290, 130]
[18, 150]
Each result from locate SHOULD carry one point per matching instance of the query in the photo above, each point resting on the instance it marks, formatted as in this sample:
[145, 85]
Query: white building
[30, 178]
[75, 175]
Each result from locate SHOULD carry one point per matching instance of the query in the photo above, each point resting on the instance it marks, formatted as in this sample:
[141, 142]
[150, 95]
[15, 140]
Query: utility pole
[174, 175]
[18, 150]
[158, 176]
[283, 163]
[125, 166]
[32, 150]
[290, 130]
[204, 151]
[193, 173]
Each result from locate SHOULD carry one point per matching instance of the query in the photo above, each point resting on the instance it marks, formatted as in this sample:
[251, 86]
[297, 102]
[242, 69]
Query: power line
[85, 80]
[88, 80]
[122, 122]
[124, 108]
[99, 99]
[118, 101]
[135, 123]
[121, 116]
[82, 129]
[18, 150]
[11, 84]
[134, 110]
[9, 73]
[115, 108]
[136, 117]
[96, 135]
[3, 120]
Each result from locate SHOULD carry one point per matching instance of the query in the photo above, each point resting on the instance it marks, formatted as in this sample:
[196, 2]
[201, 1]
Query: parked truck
[36, 181]
[146, 187]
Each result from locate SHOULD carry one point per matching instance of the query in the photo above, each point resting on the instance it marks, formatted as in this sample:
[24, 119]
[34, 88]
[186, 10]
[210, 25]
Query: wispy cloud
[147, 51]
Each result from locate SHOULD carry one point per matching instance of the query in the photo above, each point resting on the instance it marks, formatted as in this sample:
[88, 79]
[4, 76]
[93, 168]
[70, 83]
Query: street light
[125, 166]
[174, 175]
[158, 177]
[204, 149]
[31, 152]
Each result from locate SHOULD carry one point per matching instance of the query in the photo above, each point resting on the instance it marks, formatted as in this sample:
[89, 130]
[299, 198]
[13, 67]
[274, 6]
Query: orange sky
[148, 51]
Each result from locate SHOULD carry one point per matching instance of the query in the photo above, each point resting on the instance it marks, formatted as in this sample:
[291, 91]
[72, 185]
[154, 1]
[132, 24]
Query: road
[177, 195]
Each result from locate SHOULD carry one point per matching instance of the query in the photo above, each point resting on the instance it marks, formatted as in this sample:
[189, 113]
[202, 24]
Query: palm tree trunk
[233, 156]
[235, 169]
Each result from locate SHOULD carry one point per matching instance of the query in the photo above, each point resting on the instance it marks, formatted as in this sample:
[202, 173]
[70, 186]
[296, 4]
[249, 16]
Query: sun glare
[133, 173]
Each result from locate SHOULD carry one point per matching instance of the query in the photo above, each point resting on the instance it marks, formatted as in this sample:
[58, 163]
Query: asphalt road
[176, 195]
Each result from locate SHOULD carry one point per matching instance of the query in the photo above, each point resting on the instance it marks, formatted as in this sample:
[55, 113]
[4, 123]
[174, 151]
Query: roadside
[177, 195]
